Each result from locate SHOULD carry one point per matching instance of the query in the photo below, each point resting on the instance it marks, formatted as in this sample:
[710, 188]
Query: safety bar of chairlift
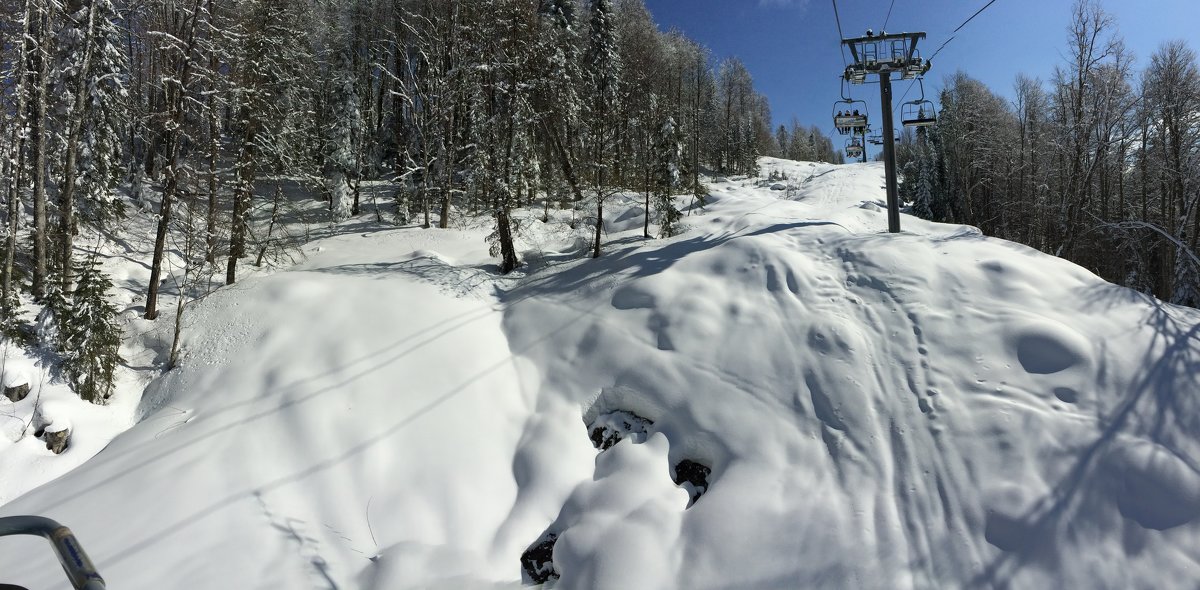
[75, 562]
[920, 122]
[855, 121]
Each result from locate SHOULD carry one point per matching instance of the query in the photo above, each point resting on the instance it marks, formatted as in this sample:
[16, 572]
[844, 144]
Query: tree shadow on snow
[635, 258]
[629, 261]
[1162, 406]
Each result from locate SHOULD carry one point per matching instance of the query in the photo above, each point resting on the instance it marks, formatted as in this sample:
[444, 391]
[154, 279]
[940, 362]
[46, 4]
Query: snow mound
[840, 407]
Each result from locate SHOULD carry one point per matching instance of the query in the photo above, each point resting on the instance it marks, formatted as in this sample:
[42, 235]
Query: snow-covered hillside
[848, 408]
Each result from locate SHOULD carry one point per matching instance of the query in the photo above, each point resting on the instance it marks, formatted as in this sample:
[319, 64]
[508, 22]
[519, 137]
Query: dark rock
[613, 427]
[16, 393]
[57, 442]
[694, 474]
[604, 439]
[538, 560]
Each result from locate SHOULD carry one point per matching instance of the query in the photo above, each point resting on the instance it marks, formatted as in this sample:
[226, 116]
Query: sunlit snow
[929, 409]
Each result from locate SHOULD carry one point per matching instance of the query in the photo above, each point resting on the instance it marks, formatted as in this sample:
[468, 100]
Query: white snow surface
[929, 409]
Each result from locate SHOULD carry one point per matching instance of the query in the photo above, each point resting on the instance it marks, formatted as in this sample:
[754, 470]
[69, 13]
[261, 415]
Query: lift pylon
[882, 55]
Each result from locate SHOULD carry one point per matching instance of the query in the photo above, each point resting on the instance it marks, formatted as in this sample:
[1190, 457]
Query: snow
[926, 409]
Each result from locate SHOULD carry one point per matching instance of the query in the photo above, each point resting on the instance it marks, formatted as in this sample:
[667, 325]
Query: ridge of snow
[926, 409]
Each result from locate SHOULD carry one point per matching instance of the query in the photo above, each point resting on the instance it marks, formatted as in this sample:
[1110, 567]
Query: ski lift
[884, 53]
[854, 149]
[851, 118]
[875, 138]
[920, 112]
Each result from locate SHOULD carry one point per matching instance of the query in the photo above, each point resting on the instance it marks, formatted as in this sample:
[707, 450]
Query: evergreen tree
[923, 197]
[556, 80]
[340, 167]
[89, 336]
[602, 66]
[908, 179]
[669, 152]
[92, 99]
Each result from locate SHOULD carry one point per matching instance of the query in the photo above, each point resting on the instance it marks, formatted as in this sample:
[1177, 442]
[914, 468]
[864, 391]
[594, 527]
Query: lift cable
[900, 102]
[939, 49]
[841, 35]
[959, 28]
[889, 17]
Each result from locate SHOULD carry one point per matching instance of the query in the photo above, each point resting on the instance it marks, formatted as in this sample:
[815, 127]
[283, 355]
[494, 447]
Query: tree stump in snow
[57, 441]
[16, 393]
[538, 560]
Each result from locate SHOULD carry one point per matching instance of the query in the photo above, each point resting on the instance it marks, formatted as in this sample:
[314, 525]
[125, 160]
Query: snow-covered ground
[123, 251]
[921, 410]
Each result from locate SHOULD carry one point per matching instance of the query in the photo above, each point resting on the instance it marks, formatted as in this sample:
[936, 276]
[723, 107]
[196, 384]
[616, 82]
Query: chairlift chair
[915, 67]
[845, 120]
[854, 149]
[920, 112]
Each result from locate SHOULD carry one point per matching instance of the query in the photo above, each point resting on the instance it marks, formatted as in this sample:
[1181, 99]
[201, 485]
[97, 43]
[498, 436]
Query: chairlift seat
[918, 113]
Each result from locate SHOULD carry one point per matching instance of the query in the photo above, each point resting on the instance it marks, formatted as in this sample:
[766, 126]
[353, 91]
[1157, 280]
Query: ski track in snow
[924, 410]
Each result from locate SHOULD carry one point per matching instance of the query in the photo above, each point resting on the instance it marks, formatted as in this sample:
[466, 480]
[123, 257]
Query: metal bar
[891, 37]
[75, 562]
[912, 48]
[889, 153]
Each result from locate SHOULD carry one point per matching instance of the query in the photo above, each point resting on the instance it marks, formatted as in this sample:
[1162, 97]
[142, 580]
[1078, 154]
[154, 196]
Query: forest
[465, 107]
[1097, 165]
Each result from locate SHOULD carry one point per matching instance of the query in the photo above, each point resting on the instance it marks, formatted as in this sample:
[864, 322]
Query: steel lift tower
[883, 55]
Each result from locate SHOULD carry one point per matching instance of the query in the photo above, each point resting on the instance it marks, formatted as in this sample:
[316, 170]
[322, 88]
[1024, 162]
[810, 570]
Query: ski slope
[920, 410]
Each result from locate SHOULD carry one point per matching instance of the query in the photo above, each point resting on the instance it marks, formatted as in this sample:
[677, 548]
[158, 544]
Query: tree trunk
[14, 211]
[37, 137]
[599, 210]
[66, 200]
[266, 242]
[214, 137]
[178, 104]
[15, 175]
[564, 160]
[242, 196]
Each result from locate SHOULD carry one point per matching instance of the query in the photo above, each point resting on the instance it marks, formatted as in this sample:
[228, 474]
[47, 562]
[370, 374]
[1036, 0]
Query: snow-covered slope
[927, 409]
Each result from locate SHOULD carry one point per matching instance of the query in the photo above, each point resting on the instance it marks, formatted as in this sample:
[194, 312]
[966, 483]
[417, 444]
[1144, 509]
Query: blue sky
[791, 46]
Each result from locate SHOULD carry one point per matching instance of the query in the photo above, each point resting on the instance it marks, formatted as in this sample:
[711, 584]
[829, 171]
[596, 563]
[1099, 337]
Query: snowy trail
[926, 409]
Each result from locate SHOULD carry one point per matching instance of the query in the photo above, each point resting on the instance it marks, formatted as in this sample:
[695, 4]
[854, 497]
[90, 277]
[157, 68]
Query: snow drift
[927, 409]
